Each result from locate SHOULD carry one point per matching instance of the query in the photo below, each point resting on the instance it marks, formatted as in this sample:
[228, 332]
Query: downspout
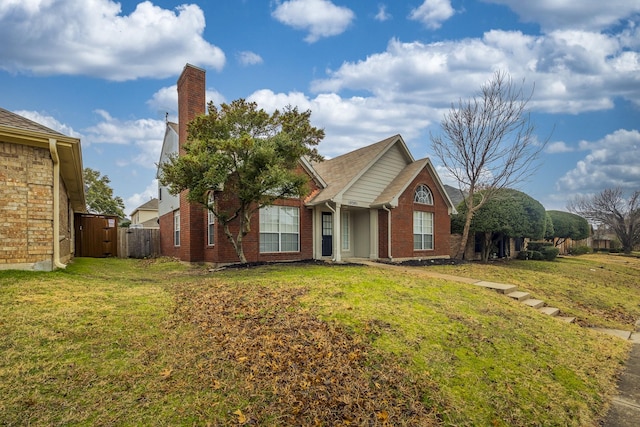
[56, 203]
[388, 230]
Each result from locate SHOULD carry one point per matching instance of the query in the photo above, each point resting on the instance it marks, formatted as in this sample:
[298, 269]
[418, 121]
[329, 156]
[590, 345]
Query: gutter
[56, 203]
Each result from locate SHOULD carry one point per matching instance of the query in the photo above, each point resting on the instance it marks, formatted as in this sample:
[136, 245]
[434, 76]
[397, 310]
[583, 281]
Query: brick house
[374, 202]
[41, 187]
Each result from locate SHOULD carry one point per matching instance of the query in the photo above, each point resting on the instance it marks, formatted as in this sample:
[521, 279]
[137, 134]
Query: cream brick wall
[26, 207]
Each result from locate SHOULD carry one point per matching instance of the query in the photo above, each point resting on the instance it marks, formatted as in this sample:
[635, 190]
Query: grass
[600, 289]
[126, 342]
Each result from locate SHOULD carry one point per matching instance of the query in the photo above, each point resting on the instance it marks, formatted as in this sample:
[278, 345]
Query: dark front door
[327, 234]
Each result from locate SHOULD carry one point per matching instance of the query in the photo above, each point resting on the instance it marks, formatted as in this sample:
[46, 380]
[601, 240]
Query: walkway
[625, 407]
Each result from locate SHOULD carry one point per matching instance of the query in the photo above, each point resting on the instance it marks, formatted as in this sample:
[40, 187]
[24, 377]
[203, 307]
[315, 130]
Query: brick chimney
[191, 98]
[191, 103]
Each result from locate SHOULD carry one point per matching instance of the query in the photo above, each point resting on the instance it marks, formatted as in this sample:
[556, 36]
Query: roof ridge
[16, 121]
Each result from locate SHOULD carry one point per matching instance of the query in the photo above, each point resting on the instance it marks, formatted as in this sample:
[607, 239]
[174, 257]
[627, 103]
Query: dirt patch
[427, 262]
[293, 368]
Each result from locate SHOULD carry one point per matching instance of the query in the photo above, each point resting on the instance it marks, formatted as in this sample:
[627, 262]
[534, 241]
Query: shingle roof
[151, 205]
[7, 118]
[340, 171]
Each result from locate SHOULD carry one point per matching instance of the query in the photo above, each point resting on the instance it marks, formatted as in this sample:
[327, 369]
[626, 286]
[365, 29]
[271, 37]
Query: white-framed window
[422, 230]
[346, 233]
[211, 219]
[423, 195]
[176, 228]
[279, 229]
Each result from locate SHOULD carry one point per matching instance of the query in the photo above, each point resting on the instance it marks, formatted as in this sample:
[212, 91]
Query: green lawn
[128, 342]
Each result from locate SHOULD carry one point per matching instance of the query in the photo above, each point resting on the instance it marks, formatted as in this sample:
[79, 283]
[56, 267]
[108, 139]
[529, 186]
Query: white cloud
[249, 58]
[382, 14]
[354, 122]
[321, 18]
[585, 15]
[432, 13]
[50, 122]
[572, 71]
[558, 147]
[92, 37]
[613, 161]
[144, 134]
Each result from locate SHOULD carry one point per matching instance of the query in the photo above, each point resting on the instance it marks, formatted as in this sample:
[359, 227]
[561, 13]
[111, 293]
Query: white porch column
[337, 233]
[373, 234]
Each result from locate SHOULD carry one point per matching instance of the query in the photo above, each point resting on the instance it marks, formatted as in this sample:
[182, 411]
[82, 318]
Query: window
[211, 219]
[422, 230]
[279, 229]
[423, 195]
[345, 231]
[176, 228]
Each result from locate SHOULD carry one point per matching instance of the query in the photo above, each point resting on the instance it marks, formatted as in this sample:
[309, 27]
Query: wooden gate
[96, 235]
[138, 242]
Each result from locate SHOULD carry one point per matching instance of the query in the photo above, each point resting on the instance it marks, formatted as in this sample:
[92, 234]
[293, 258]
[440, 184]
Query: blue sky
[106, 72]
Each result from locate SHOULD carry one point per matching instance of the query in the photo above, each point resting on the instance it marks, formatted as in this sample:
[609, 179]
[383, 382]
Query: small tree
[509, 213]
[611, 209]
[99, 195]
[487, 144]
[567, 225]
[253, 155]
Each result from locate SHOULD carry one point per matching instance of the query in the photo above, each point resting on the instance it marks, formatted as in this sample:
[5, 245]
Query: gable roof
[151, 205]
[341, 172]
[394, 190]
[16, 129]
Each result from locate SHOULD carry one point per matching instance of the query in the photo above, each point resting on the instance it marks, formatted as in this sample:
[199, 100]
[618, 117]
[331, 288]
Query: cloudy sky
[106, 72]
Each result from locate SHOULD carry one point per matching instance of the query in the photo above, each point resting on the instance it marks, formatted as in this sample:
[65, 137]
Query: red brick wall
[167, 247]
[402, 223]
[191, 103]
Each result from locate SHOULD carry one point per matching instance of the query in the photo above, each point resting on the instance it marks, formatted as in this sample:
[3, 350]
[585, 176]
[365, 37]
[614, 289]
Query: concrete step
[566, 319]
[519, 295]
[501, 288]
[551, 311]
[535, 303]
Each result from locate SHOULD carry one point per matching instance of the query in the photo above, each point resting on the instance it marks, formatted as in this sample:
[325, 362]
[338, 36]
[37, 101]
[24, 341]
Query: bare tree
[611, 209]
[487, 143]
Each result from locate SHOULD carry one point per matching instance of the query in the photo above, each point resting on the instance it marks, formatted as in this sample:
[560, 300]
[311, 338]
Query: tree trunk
[465, 237]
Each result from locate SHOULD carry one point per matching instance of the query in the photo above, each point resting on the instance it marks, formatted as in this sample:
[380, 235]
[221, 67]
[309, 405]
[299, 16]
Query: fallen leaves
[291, 366]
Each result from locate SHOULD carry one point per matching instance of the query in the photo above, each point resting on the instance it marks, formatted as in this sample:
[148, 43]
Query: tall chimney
[191, 103]
[191, 98]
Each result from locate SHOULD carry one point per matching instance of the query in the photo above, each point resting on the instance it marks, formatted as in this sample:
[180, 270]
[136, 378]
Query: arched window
[423, 195]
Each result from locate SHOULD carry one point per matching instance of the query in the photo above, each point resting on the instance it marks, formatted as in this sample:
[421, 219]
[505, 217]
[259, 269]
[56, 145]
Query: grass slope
[129, 342]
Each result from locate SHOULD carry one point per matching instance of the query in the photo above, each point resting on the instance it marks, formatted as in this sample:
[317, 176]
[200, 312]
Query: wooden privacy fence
[138, 242]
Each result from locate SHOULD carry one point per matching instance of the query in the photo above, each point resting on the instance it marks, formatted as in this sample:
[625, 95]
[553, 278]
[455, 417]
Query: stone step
[535, 303]
[566, 319]
[551, 311]
[501, 288]
[519, 295]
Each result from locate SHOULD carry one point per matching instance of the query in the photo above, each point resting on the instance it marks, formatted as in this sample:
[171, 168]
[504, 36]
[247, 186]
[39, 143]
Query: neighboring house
[41, 187]
[376, 202]
[145, 215]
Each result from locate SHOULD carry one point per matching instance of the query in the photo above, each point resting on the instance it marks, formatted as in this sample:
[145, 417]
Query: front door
[327, 234]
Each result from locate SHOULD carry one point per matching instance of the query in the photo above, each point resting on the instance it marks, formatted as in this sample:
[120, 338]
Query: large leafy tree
[251, 154]
[610, 208]
[99, 194]
[487, 144]
[567, 225]
[508, 213]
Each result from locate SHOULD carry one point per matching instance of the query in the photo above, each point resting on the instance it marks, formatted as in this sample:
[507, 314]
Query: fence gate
[138, 242]
[96, 235]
